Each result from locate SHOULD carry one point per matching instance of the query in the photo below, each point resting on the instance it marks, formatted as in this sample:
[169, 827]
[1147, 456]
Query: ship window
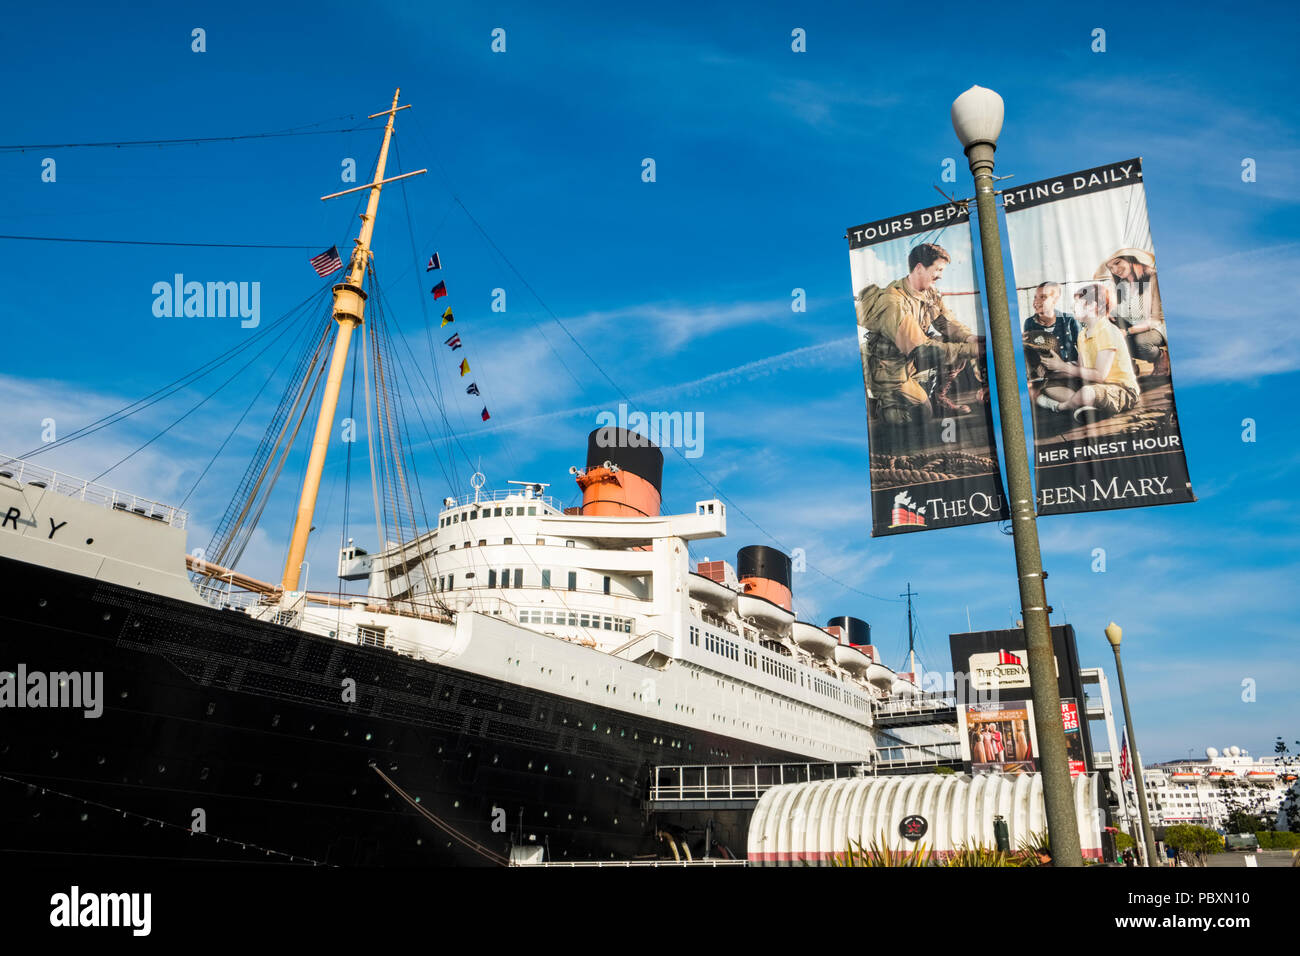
[532, 511]
[546, 577]
[508, 541]
[519, 577]
[440, 583]
[451, 582]
[548, 617]
[609, 624]
[510, 512]
[606, 584]
[451, 547]
[492, 578]
[473, 514]
[541, 541]
[455, 519]
[570, 544]
[505, 578]
[482, 543]
[573, 619]
[573, 580]
[584, 620]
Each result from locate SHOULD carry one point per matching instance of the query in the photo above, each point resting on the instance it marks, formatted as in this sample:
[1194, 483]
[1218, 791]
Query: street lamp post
[1113, 634]
[977, 120]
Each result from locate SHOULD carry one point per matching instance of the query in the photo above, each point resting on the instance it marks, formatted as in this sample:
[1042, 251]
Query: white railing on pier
[26, 473]
[711, 861]
[748, 781]
[913, 704]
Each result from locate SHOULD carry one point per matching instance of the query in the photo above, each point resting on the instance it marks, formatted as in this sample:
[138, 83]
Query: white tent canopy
[812, 823]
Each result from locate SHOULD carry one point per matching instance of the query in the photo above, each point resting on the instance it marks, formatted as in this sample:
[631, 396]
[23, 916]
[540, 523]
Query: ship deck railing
[504, 494]
[708, 861]
[684, 782]
[26, 473]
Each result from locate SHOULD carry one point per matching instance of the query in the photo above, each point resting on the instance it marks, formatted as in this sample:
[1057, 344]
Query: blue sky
[680, 290]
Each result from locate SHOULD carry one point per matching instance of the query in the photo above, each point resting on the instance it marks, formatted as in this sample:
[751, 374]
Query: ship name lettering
[55, 527]
[13, 514]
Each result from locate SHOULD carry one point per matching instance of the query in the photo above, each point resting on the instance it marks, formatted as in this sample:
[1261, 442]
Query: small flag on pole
[454, 341]
[486, 416]
[328, 262]
[439, 290]
[473, 389]
[1125, 769]
[1005, 658]
[464, 367]
[447, 317]
[434, 263]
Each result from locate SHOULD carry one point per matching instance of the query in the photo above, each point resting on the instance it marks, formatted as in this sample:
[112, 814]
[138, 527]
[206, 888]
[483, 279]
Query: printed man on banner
[915, 347]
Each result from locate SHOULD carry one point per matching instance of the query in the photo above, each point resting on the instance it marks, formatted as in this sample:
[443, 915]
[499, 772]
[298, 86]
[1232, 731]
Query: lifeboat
[764, 612]
[710, 592]
[852, 660]
[1264, 777]
[1186, 777]
[814, 640]
[903, 688]
[880, 675]
[1290, 778]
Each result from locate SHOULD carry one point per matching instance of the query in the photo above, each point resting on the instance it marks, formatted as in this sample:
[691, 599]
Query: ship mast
[349, 313]
[911, 645]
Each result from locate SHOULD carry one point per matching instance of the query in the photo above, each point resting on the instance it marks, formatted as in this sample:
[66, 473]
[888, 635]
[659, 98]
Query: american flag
[1125, 768]
[328, 262]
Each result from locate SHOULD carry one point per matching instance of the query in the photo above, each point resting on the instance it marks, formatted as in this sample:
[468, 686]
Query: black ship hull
[212, 718]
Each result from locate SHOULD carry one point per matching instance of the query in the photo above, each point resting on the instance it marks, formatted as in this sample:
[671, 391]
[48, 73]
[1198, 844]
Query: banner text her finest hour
[1048, 456]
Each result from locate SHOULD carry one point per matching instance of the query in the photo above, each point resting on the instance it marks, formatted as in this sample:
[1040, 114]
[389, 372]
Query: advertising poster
[1097, 343]
[999, 738]
[1074, 749]
[921, 334]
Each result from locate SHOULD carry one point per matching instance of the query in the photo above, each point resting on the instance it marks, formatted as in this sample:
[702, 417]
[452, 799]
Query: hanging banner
[1096, 346]
[934, 463]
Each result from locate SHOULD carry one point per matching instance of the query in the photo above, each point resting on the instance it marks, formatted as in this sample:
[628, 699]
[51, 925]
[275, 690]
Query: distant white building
[1205, 791]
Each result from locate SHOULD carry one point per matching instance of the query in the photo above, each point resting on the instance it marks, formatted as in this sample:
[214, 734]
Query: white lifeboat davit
[764, 612]
[814, 640]
[852, 659]
[710, 592]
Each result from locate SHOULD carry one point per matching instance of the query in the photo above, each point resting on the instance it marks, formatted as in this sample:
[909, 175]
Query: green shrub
[1278, 840]
[1123, 841]
[1193, 842]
